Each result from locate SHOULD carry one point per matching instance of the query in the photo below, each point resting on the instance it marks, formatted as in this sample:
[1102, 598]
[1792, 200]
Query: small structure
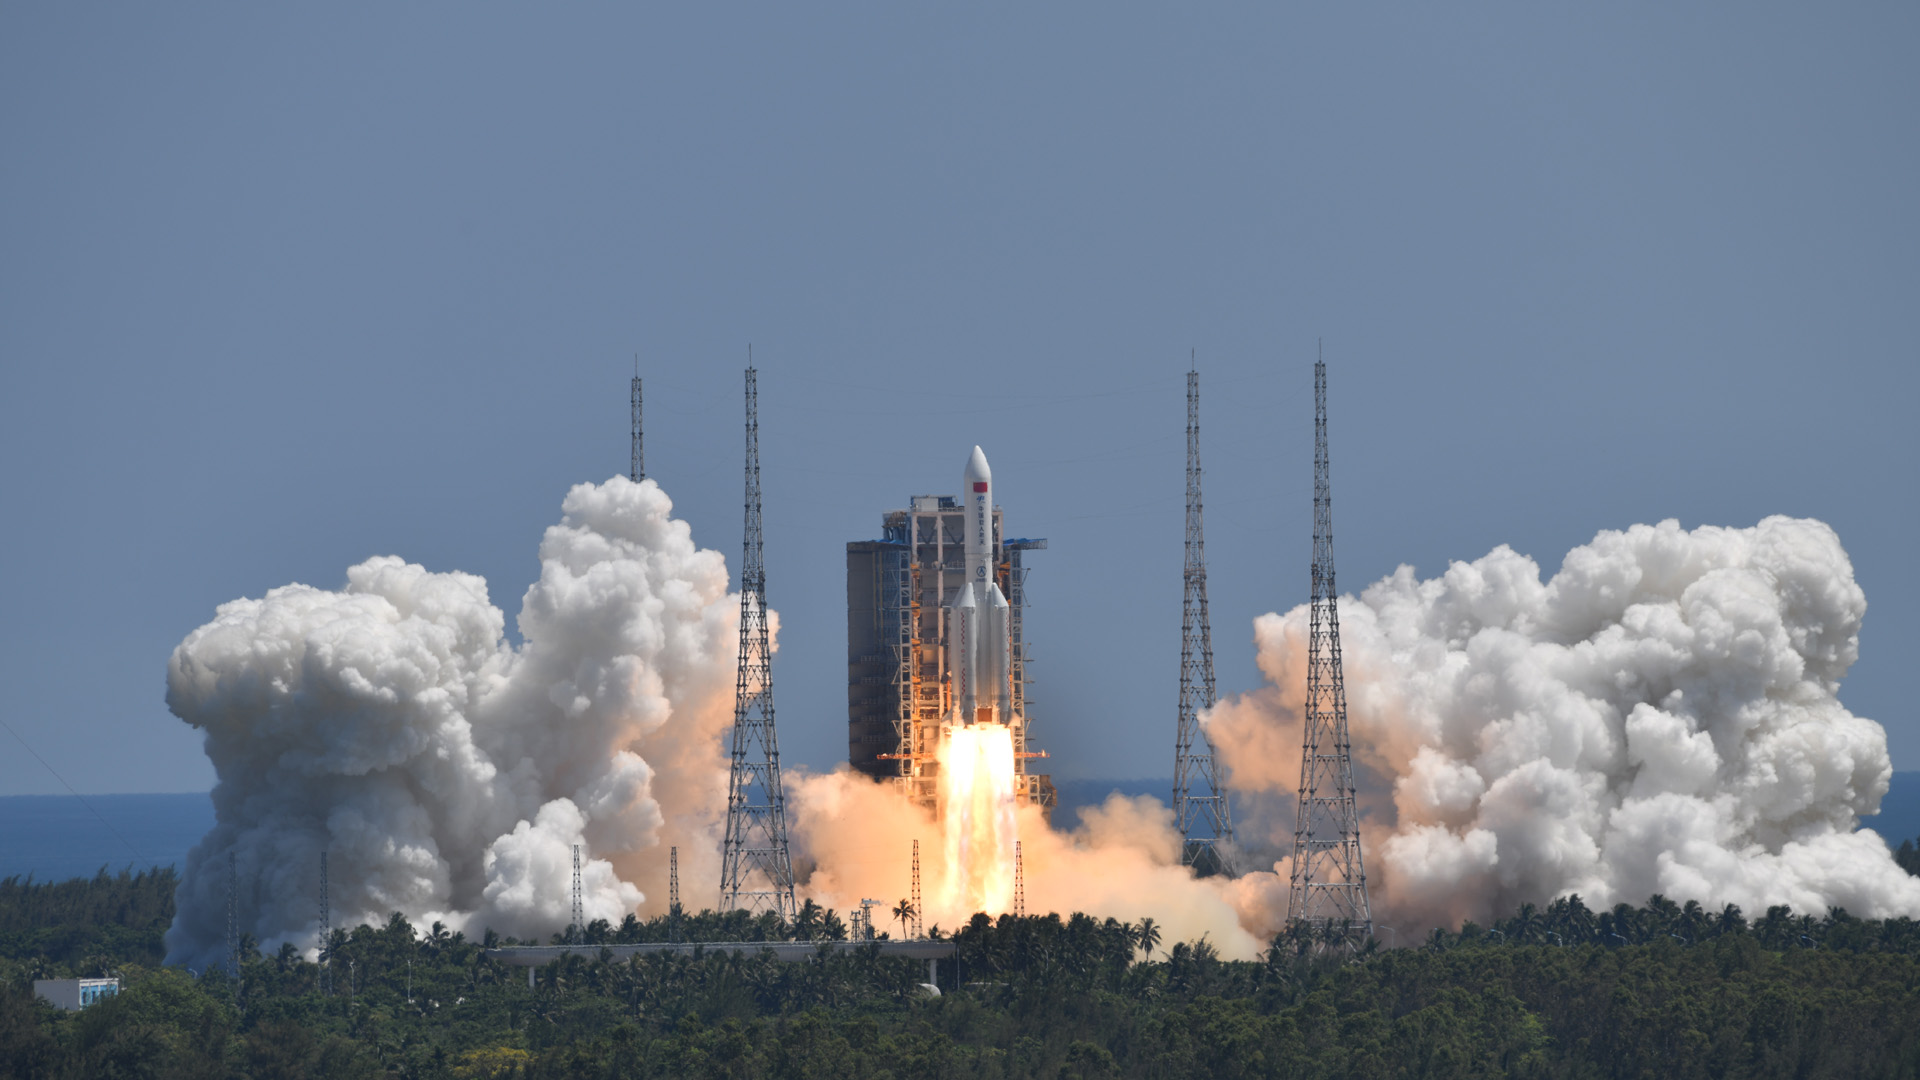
[75, 994]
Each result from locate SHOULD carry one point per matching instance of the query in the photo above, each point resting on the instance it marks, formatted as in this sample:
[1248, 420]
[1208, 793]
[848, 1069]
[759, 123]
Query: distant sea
[53, 837]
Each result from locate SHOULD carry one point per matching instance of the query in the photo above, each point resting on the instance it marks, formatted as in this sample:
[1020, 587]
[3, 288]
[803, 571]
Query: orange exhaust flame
[977, 825]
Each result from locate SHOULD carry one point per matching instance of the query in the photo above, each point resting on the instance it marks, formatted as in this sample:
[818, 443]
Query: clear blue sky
[281, 289]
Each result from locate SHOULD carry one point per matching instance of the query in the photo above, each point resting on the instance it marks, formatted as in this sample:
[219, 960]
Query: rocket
[978, 660]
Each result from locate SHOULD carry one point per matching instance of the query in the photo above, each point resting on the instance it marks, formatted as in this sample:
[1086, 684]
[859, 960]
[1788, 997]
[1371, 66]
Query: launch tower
[1329, 888]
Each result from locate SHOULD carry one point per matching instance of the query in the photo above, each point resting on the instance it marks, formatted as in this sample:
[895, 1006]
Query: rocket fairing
[978, 657]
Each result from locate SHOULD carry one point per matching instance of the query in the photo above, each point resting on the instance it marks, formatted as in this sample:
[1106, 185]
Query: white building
[74, 994]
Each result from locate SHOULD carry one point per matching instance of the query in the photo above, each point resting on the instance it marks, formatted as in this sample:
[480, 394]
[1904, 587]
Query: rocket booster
[977, 619]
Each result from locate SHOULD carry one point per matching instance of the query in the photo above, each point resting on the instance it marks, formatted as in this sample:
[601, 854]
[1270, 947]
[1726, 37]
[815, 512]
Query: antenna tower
[1203, 817]
[233, 915]
[1329, 888]
[576, 931]
[326, 928]
[918, 919]
[755, 872]
[1019, 883]
[638, 469]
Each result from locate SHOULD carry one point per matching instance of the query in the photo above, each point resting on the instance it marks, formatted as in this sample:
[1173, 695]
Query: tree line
[1655, 990]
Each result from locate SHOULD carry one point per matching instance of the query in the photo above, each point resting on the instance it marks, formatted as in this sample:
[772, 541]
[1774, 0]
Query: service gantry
[898, 687]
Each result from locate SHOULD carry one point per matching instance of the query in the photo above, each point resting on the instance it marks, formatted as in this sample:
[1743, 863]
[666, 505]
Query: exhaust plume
[1121, 861]
[1661, 716]
[447, 772]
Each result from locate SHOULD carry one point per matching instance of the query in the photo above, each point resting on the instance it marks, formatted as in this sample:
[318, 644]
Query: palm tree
[1662, 913]
[1773, 928]
[1580, 920]
[1525, 924]
[1730, 921]
[1149, 936]
[1693, 919]
[905, 913]
[806, 922]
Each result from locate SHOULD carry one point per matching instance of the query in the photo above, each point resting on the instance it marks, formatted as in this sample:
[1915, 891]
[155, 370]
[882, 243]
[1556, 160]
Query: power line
[75, 794]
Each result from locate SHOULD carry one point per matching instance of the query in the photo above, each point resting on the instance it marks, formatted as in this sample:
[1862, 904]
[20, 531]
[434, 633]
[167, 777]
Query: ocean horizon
[56, 837]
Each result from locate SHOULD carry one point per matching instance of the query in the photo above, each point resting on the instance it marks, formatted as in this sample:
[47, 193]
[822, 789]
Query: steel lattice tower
[918, 920]
[325, 956]
[233, 915]
[577, 931]
[755, 872]
[1019, 883]
[638, 469]
[1329, 889]
[673, 893]
[1203, 817]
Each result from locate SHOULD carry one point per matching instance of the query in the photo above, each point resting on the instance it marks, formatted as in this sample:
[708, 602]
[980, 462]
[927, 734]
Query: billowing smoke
[446, 773]
[1120, 860]
[1662, 715]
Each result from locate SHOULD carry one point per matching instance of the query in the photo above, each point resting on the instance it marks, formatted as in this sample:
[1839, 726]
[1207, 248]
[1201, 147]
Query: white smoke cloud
[1660, 716]
[447, 773]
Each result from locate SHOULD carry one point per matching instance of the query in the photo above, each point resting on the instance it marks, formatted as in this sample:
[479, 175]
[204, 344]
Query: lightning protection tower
[1199, 808]
[673, 893]
[326, 929]
[638, 469]
[577, 931]
[1019, 883]
[1329, 888]
[919, 915]
[233, 915]
[755, 871]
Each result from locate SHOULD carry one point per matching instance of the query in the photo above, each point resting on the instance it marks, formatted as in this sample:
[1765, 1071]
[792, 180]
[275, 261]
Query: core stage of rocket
[977, 636]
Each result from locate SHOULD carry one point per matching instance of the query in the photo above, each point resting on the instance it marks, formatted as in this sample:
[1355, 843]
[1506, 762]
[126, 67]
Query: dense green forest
[1659, 990]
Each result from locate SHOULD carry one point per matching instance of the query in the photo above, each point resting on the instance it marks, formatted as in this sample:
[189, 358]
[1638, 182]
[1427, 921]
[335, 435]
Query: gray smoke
[1662, 715]
[448, 774]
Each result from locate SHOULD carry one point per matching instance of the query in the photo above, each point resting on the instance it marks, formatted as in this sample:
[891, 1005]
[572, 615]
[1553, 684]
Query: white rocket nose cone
[977, 471]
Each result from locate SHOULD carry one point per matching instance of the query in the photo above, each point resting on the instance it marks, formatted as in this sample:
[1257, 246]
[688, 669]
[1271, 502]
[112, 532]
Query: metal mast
[233, 915]
[1203, 817]
[1329, 889]
[919, 916]
[577, 931]
[326, 927]
[755, 872]
[638, 469]
[1019, 883]
[673, 893]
